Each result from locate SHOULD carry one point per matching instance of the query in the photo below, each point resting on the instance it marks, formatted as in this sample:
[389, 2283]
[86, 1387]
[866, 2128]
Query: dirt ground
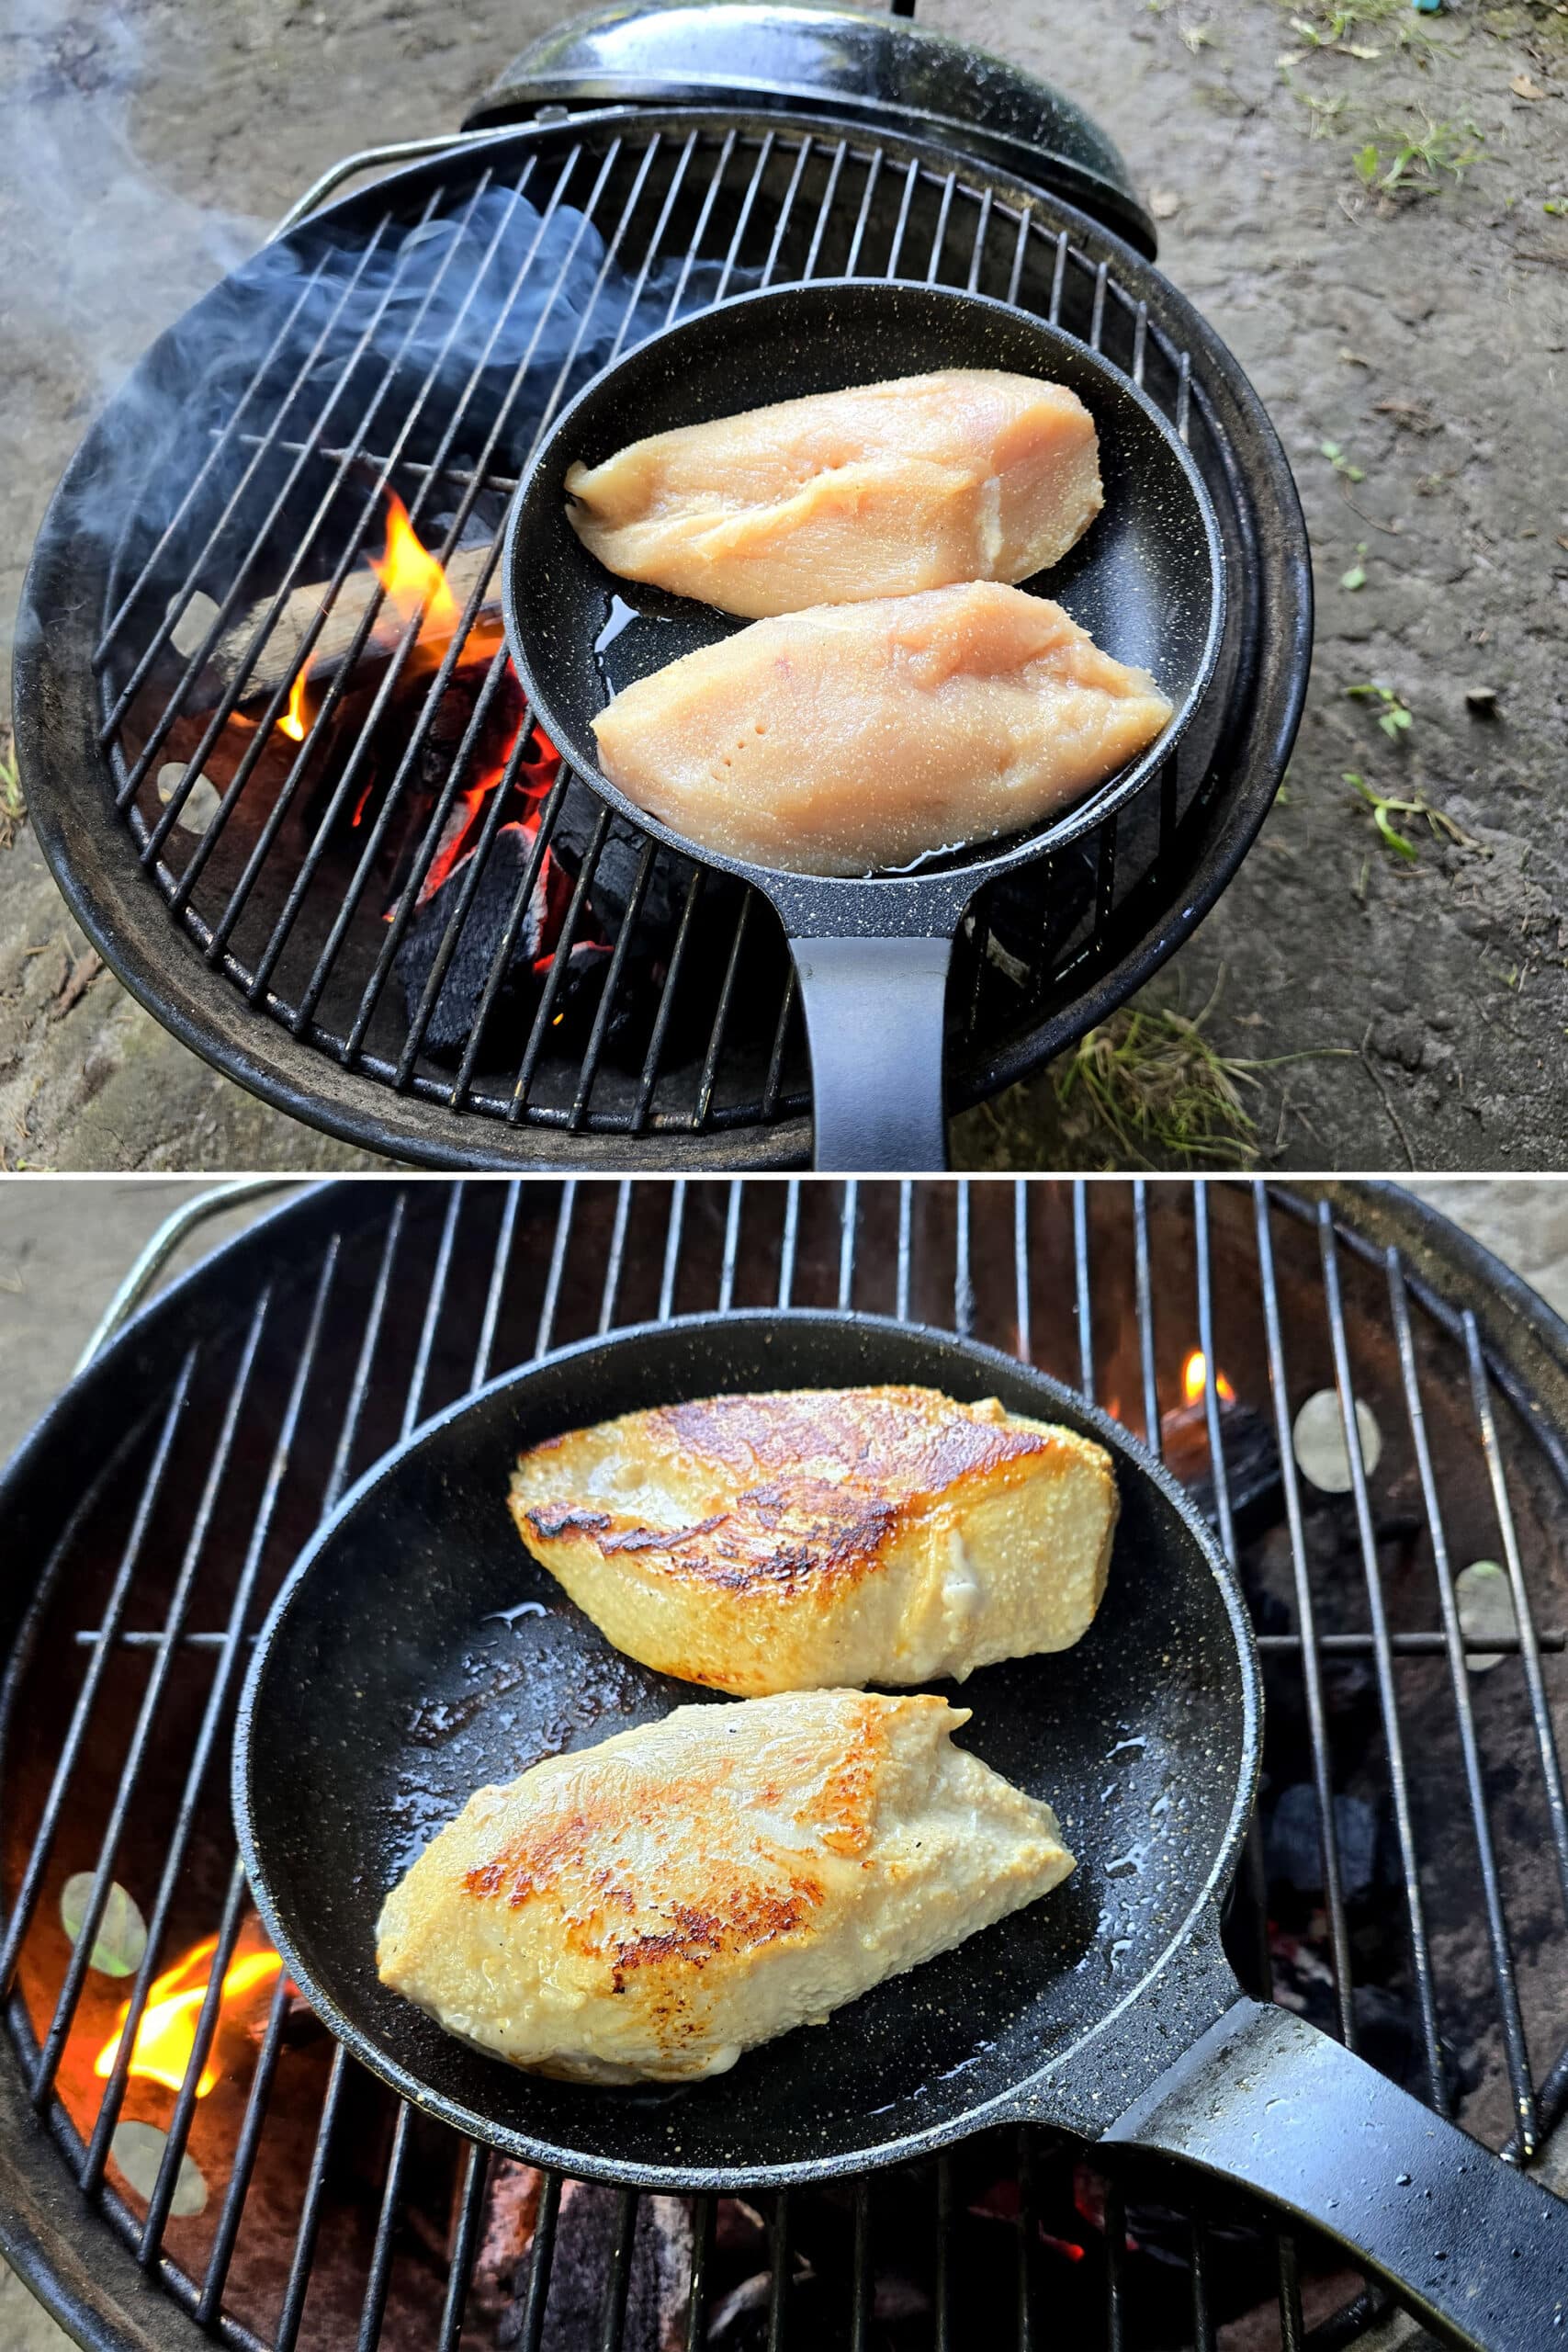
[1406, 1010]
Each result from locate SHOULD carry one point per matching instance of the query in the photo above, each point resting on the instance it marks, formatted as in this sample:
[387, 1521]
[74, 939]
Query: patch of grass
[13, 808]
[1341, 463]
[1386, 805]
[1394, 717]
[1328, 24]
[1411, 159]
[1161, 1091]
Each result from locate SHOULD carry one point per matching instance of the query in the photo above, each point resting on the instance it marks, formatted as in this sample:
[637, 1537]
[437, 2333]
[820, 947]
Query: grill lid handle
[875, 1012]
[1479, 2253]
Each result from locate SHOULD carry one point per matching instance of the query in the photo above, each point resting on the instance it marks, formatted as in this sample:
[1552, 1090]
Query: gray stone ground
[60, 1265]
[1422, 333]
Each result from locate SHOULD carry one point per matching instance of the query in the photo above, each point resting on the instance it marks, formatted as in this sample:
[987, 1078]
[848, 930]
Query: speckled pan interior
[1146, 579]
[419, 1652]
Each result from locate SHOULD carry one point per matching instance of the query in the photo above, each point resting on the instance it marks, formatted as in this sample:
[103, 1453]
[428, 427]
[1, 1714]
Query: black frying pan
[1147, 580]
[417, 1652]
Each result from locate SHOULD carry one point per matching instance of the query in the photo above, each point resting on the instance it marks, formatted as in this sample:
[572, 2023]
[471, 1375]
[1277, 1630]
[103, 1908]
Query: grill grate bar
[1540, 1712]
[1388, 1705]
[246, 2150]
[1515, 2048]
[1211, 1366]
[653, 1060]
[464, 2245]
[231, 1650]
[702, 2254]
[613, 2318]
[1154, 1436]
[782, 2253]
[616, 1256]
[374, 2306]
[309, 2230]
[373, 1321]
[1083, 1299]
[501, 1266]
[76, 1967]
[434, 1305]
[545, 1016]
[541, 2260]
[501, 959]
[150, 2245]
[1312, 1645]
[942, 2297]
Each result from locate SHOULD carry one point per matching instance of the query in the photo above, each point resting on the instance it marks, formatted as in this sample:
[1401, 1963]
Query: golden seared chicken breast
[823, 1536]
[655, 1906]
[968, 474]
[858, 736]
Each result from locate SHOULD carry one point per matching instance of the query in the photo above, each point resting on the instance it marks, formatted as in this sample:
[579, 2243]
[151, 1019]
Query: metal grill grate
[243, 1406]
[418, 340]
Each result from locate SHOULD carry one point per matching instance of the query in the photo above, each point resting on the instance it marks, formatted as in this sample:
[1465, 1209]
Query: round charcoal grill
[237, 2178]
[373, 896]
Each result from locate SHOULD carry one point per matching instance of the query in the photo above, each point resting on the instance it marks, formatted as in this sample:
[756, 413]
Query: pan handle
[875, 1012]
[1476, 2251]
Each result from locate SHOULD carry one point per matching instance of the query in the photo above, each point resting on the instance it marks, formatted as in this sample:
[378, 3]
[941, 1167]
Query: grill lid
[882, 70]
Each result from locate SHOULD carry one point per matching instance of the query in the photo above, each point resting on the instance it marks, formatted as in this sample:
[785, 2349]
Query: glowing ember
[167, 2035]
[297, 718]
[411, 576]
[1195, 1381]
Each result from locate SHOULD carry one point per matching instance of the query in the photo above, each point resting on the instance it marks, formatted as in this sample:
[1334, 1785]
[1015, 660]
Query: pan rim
[971, 867]
[586, 2165]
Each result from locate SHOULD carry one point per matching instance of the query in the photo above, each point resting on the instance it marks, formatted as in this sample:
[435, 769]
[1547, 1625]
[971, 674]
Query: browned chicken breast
[823, 1537]
[858, 736]
[655, 1906]
[971, 473]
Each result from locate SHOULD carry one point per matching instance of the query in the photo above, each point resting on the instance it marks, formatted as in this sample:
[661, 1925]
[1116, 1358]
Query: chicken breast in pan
[653, 1906]
[854, 737]
[822, 1537]
[968, 474]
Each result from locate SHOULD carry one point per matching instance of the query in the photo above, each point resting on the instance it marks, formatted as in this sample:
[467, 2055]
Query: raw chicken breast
[824, 1536]
[972, 474]
[858, 736]
[653, 1906]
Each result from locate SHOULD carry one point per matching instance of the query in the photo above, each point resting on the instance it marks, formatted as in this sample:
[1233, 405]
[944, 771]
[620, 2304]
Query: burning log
[278, 658]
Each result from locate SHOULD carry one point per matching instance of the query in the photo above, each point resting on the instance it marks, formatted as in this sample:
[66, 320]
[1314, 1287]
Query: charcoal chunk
[457, 1006]
[614, 876]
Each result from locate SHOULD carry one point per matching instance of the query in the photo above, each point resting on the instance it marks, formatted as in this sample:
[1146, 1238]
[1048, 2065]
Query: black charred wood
[457, 1006]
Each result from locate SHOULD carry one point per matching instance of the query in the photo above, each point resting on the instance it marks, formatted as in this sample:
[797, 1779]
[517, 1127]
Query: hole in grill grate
[338, 793]
[1204, 1316]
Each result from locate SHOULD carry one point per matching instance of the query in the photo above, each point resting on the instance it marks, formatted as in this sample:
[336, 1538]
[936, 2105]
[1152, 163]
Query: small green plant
[1386, 805]
[1357, 575]
[1409, 161]
[1341, 463]
[1394, 717]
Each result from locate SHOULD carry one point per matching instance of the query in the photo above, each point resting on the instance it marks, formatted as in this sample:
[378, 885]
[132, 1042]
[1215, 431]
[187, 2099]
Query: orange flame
[411, 576]
[1195, 1380]
[167, 2035]
[297, 718]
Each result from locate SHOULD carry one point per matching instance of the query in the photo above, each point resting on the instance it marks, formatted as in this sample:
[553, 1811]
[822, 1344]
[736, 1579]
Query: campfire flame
[165, 2038]
[1195, 1381]
[296, 718]
[411, 576]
